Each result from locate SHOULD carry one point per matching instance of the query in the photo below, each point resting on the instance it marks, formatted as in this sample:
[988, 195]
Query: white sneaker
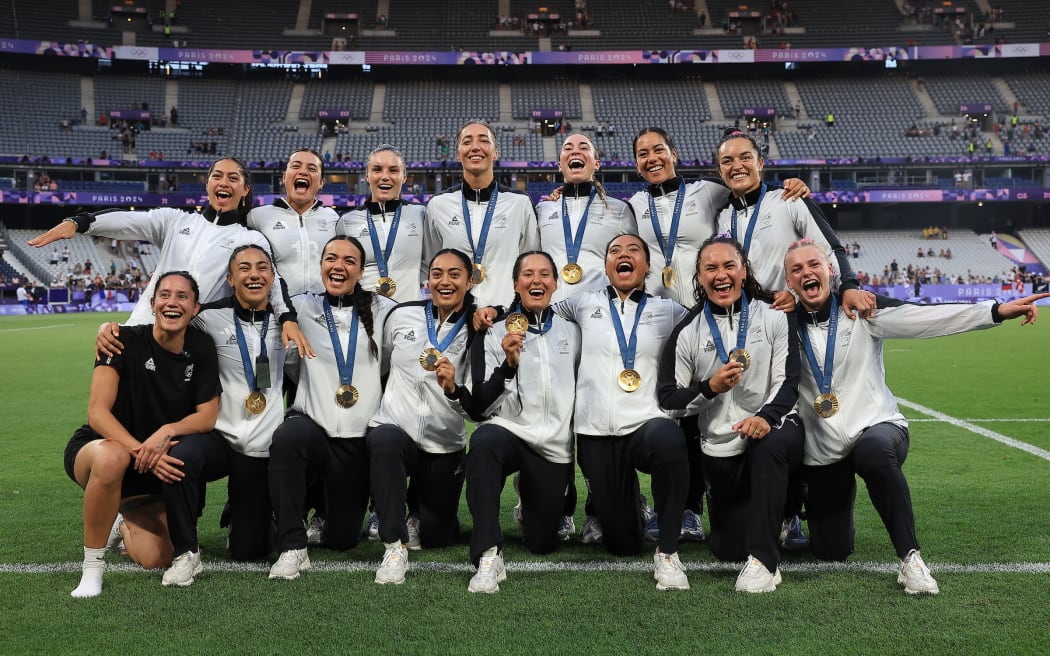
[412, 526]
[915, 575]
[315, 531]
[669, 572]
[394, 565]
[116, 540]
[754, 577]
[567, 528]
[373, 527]
[183, 569]
[290, 564]
[592, 531]
[516, 513]
[491, 571]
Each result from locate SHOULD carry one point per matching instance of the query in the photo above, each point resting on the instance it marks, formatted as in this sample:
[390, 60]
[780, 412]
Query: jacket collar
[666, 187]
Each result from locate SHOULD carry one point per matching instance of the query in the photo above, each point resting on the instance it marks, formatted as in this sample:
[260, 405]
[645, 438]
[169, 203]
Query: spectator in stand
[54, 257]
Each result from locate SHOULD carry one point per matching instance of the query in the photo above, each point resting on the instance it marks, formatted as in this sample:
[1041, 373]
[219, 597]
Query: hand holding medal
[446, 375]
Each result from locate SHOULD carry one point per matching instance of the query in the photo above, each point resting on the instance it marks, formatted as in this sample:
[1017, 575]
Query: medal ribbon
[676, 217]
[242, 344]
[751, 223]
[627, 349]
[741, 331]
[573, 244]
[432, 329]
[346, 366]
[479, 249]
[537, 330]
[382, 255]
[823, 378]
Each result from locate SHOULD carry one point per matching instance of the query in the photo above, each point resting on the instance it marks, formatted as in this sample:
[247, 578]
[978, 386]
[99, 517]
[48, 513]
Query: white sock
[91, 580]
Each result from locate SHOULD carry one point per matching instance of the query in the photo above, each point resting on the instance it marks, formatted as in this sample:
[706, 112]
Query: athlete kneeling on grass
[528, 357]
[164, 385]
[251, 363]
[735, 362]
[339, 392]
[416, 434]
[853, 424]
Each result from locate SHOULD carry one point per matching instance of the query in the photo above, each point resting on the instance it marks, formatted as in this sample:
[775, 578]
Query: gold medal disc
[742, 356]
[826, 405]
[346, 396]
[428, 359]
[572, 273]
[630, 380]
[255, 403]
[668, 276]
[477, 274]
[517, 323]
[386, 286]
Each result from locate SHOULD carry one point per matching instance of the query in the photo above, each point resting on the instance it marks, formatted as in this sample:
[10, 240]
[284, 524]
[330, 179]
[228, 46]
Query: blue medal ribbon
[537, 329]
[627, 349]
[750, 224]
[345, 365]
[573, 244]
[823, 378]
[676, 216]
[479, 248]
[383, 254]
[741, 331]
[242, 344]
[432, 328]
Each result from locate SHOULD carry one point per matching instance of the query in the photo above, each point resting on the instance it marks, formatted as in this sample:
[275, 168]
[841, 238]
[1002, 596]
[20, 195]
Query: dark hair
[751, 286]
[182, 274]
[484, 124]
[246, 203]
[469, 304]
[660, 131]
[598, 186]
[735, 133]
[312, 152]
[645, 246]
[362, 298]
[517, 271]
[243, 247]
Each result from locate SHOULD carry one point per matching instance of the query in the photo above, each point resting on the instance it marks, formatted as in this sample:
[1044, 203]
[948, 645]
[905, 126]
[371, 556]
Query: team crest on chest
[188, 376]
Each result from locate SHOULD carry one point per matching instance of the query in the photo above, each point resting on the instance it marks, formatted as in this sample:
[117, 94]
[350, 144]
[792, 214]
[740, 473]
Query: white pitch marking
[626, 566]
[18, 330]
[959, 423]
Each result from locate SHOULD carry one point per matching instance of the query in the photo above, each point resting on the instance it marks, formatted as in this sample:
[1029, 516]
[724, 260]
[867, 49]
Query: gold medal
[346, 396]
[255, 403]
[826, 405]
[630, 380]
[386, 286]
[477, 274]
[428, 359]
[517, 323]
[572, 273]
[668, 276]
[742, 356]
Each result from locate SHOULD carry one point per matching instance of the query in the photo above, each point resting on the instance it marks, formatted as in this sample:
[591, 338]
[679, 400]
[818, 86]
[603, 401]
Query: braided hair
[751, 286]
[362, 298]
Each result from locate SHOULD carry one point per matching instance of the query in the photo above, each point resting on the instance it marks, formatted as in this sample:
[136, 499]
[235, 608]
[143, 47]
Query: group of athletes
[709, 333]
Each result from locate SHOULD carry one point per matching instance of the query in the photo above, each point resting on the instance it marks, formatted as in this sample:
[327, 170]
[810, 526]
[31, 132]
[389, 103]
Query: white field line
[18, 330]
[966, 425]
[543, 567]
[986, 421]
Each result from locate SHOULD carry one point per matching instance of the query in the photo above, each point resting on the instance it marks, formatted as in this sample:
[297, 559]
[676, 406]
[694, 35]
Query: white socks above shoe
[91, 579]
